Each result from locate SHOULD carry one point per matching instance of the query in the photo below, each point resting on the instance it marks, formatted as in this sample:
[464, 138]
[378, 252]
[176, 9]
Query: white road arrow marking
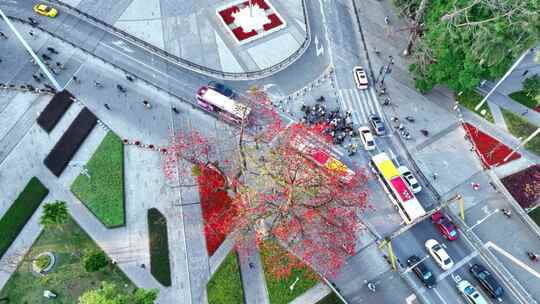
[122, 45]
[320, 51]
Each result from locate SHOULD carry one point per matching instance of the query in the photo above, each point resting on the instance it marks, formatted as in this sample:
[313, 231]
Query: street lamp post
[29, 49]
[522, 144]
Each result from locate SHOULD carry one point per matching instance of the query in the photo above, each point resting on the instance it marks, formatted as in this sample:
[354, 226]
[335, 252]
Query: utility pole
[29, 49]
[479, 105]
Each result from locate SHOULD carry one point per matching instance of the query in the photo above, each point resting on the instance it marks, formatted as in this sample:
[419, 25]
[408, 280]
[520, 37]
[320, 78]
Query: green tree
[54, 215]
[108, 293]
[531, 86]
[94, 260]
[462, 42]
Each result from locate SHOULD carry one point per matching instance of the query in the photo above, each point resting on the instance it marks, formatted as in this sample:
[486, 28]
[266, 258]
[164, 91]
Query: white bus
[214, 101]
[402, 197]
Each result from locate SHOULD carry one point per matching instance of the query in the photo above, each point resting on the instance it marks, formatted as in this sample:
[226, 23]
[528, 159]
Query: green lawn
[159, 247]
[470, 99]
[103, 192]
[523, 99]
[225, 286]
[535, 215]
[68, 279]
[520, 127]
[20, 212]
[332, 298]
[279, 289]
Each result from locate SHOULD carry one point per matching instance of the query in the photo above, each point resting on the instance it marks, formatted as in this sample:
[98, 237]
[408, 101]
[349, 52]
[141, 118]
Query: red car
[445, 226]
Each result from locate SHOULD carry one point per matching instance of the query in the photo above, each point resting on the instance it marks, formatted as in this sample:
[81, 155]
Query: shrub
[20, 212]
[94, 260]
[524, 186]
[42, 261]
[159, 247]
[196, 170]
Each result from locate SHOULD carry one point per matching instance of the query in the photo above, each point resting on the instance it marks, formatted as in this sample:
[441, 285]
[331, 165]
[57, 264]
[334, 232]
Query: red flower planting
[491, 151]
[216, 207]
[234, 26]
[524, 186]
[537, 109]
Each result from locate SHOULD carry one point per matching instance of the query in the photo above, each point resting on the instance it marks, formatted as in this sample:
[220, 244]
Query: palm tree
[54, 215]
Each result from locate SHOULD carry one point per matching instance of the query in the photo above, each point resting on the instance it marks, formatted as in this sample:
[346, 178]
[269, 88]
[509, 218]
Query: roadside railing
[191, 65]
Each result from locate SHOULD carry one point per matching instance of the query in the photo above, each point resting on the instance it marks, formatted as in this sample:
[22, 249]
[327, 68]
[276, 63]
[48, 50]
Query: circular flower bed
[44, 262]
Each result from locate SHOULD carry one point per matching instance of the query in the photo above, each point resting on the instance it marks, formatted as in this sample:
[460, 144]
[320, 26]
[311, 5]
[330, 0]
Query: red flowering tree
[300, 195]
[287, 186]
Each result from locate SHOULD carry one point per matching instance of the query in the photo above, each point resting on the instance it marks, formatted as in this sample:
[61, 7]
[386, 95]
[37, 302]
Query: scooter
[532, 256]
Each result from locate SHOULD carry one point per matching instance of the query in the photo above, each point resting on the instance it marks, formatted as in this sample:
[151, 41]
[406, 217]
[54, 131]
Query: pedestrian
[525, 73]
[76, 79]
[525, 112]
[3, 36]
[251, 265]
[31, 33]
[475, 186]
[387, 20]
[146, 104]
[391, 58]
[41, 75]
[59, 65]
[143, 266]
[107, 106]
[377, 52]
[435, 175]
[175, 110]
[113, 262]
[55, 72]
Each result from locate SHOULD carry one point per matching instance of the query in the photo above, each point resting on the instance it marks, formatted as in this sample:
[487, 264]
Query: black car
[421, 271]
[487, 280]
[221, 88]
[377, 124]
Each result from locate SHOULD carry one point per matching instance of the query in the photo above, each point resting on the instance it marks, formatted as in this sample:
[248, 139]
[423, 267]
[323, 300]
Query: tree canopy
[108, 293]
[464, 41]
[55, 214]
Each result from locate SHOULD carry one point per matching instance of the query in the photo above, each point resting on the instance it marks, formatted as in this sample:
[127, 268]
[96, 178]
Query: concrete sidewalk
[511, 105]
[252, 274]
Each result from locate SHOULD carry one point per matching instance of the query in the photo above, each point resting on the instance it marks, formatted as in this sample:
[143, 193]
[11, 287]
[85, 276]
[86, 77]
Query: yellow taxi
[45, 10]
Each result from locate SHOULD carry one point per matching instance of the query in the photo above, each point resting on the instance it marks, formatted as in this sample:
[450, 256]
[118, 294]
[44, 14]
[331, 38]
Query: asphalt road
[342, 50]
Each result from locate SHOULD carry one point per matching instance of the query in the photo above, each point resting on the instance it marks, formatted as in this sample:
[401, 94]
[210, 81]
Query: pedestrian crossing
[361, 103]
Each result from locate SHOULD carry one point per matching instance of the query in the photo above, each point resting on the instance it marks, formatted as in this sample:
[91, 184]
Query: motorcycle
[371, 286]
[533, 256]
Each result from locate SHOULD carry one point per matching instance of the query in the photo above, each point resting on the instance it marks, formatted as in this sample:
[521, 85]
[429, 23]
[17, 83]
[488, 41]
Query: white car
[410, 179]
[360, 78]
[439, 254]
[367, 138]
[470, 293]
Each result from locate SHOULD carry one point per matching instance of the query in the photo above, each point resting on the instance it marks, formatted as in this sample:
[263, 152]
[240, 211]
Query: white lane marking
[439, 295]
[168, 77]
[354, 106]
[71, 79]
[480, 221]
[362, 117]
[457, 265]
[375, 100]
[368, 101]
[512, 258]
[121, 44]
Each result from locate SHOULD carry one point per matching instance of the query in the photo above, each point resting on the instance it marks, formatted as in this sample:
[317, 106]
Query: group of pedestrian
[339, 125]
